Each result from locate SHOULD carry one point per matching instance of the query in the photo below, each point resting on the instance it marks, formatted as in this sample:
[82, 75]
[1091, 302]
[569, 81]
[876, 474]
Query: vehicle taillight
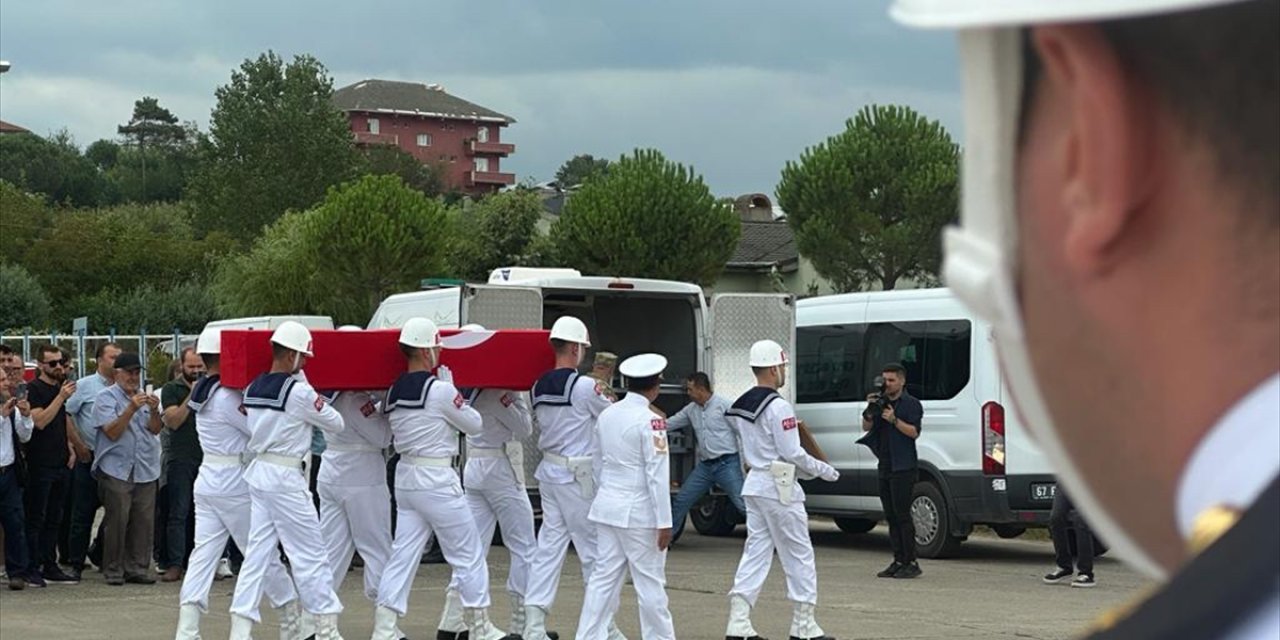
[993, 439]
[621, 285]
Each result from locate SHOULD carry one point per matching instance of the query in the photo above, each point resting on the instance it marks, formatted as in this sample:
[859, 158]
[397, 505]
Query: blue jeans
[13, 523]
[46, 489]
[84, 508]
[724, 472]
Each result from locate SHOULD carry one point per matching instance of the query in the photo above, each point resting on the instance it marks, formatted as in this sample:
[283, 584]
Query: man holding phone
[49, 461]
[15, 428]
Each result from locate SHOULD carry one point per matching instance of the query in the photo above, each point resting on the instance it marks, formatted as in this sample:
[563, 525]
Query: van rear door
[738, 320]
[502, 307]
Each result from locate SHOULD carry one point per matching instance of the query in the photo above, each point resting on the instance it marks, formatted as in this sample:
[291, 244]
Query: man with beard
[49, 464]
[183, 463]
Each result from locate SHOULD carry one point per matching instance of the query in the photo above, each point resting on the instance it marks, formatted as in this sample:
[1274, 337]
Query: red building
[433, 126]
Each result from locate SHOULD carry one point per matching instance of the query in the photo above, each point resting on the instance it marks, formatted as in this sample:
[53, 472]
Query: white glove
[830, 474]
[443, 373]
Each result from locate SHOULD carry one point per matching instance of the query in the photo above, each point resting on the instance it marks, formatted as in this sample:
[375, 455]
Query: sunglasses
[56, 363]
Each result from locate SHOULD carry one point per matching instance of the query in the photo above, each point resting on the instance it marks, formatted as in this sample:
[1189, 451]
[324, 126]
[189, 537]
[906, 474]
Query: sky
[733, 88]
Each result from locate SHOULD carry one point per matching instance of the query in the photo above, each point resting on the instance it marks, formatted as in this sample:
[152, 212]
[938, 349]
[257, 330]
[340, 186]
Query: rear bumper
[982, 499]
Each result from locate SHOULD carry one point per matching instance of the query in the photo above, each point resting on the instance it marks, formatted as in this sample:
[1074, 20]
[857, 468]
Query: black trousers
[896, 489]
[44, 498]
[180, 521]
[1062, 519]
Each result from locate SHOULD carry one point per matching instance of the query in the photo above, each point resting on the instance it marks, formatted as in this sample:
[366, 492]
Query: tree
[157, 157]
[390, 160]
[368, 239]
[275, 143]
[184, 305]
[25, 302]
[579, 168]
[52, 167]
[23, 218]
[647, 217]
[869, 204]
[495, 232]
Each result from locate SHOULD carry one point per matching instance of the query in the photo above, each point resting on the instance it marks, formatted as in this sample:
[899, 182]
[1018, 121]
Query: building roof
[763, 245]
[8, 127]
[411, 98]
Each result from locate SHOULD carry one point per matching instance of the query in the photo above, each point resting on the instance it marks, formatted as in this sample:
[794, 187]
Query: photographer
[892, 422]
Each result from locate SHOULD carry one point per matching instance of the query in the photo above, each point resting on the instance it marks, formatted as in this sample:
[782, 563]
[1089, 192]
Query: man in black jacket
[891, 435]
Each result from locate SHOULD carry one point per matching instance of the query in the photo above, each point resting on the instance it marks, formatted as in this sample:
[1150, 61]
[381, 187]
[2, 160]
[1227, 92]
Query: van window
[838, 363]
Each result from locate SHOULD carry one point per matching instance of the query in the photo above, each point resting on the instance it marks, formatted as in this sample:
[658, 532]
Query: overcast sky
[734, 88]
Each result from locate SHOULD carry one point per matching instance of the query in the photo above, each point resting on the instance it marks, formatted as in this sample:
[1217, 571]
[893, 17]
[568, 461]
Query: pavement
[991, 591]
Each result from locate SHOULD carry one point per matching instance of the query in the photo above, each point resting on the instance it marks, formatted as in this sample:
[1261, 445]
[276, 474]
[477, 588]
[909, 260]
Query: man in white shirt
[632, 507]
[16, 426]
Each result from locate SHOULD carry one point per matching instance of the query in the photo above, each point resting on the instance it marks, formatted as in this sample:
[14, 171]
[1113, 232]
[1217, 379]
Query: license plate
[1043, 491]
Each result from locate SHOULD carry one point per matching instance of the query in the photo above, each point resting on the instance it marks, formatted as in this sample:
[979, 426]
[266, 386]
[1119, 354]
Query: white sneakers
[224, 570]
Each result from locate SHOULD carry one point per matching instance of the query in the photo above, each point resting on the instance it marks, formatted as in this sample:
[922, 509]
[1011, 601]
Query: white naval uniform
[355, 503]
[566, 405]
[495, 492]
[632, 503]
[282, 410]
[222, 496]
[426, 414]
[772, 525]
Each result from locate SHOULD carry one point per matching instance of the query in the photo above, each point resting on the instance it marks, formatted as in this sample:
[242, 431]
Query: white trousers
[508, 507]
[772, 526]
[219, 518]
[564, 519]
[288, 519]
[619, 549]
[445, 513]
[356, 518]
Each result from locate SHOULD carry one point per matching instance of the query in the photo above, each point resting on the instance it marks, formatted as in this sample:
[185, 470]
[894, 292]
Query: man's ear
[1107, 150]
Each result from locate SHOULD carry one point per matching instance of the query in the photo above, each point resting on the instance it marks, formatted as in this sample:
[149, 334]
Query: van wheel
[932, 521]
[855, 525]
[1008, 531]
[714, 516]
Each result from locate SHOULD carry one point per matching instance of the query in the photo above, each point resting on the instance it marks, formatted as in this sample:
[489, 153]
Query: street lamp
[4, 66]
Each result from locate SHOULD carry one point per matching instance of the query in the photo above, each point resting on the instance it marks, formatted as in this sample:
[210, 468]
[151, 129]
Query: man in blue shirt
[719, 464]
[127, 466]
[84, 488]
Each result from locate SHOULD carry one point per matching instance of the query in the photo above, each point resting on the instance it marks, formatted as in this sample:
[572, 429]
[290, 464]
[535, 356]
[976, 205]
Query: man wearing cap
[632, 508]
[494, 481]
[222, 502]
[426, 414]
[282, 407]
[1119, 232]
[567, 406]
[776, 518]
[355, 503]
[127, 466]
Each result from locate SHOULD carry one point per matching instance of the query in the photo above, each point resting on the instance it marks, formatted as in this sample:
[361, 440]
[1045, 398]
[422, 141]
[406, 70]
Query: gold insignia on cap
[1209, 525]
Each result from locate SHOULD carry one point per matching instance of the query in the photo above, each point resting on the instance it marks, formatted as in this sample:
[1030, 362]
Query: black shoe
[908, 571]
[822, 637]
[77, 573]
[744, 638]
[17, 583]
[115, 582]
[1084, 581]
[139, 579]
[890, 570]
[452, 635]
[1058, 576]
[57, 576]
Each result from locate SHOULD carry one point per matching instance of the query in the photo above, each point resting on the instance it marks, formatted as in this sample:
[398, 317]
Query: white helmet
[981, 264]
[471, 327]
[350, 327]
[210, 341]
[421, 333]
[570, 329]
[767, 353]
[292, 335]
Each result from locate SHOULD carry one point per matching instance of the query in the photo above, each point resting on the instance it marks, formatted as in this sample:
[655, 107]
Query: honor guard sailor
[632, 507]
[282, 408]
[566, 405]
[426, 413]
[222, 500]
[776, 518]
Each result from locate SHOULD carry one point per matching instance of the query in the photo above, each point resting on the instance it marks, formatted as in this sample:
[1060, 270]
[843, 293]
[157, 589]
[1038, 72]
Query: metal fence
[81, 348]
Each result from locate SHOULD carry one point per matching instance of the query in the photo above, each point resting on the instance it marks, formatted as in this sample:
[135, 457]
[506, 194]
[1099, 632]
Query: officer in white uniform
[426, 414]
[632, 508]
[494, 483]
[566, 405]
[1119, 235]
[281, 411]
[776, 518]
[222, 500]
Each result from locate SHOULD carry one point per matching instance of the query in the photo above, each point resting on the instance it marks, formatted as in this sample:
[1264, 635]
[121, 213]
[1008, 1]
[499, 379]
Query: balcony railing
[365, 137]
[490, 177]
[475, 147]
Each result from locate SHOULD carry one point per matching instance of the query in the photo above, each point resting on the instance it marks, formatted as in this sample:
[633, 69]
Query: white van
[269, 323]
[977, 464]
[624, 316]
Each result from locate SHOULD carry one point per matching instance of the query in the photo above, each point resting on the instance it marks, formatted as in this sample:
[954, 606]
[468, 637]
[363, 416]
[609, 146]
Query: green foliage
[368, 239]
[869, 204]
[23, 218]
[429, 178]
[275, 143]
[495, 232]
[152, 126]
[185, 305]
[51, 167]
[25, 302]
[579, 168]
[647, 217]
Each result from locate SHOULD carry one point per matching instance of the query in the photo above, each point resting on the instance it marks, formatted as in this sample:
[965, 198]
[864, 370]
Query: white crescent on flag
[466, 339]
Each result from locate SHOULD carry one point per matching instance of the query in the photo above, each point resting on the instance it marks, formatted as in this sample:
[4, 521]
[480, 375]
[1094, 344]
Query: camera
[878, 402]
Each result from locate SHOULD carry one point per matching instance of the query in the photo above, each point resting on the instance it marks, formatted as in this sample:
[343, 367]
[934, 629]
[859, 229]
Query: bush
[23, 302]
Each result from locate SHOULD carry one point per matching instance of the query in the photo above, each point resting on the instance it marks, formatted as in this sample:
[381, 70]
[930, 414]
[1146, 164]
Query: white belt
[284, 461]
[352, 448]
[580, 466]
[222, 461]
[568, 463]
[419, 461]
[481, 452]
